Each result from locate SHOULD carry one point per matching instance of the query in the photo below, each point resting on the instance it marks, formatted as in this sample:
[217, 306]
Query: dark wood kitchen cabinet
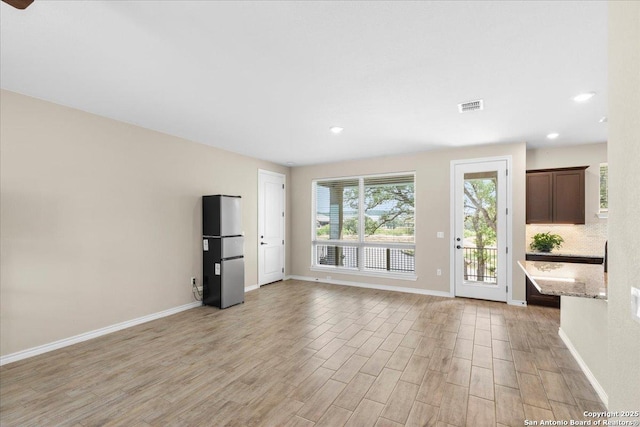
[555, 196]
[536, 298]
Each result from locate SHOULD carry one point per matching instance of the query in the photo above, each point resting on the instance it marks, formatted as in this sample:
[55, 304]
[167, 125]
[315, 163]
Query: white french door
[271, 222]
[480, 229]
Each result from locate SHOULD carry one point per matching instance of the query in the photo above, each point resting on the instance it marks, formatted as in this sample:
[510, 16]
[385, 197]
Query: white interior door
[480, 229]
[271, 204]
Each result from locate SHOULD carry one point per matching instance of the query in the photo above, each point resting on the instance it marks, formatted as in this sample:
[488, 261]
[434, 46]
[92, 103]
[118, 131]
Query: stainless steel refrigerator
[223, 245]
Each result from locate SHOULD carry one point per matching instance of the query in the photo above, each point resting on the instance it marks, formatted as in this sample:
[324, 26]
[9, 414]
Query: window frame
[361, 243]
[603, 212]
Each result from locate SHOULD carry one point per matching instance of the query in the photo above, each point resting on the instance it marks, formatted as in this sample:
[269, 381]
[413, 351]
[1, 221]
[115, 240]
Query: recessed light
[290, 163]
[553, 135]
[604, 119]
[584, 96]
[336, 129]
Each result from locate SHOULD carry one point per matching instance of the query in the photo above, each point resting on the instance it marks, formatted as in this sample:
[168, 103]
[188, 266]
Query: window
[365, 224]
[604, 189]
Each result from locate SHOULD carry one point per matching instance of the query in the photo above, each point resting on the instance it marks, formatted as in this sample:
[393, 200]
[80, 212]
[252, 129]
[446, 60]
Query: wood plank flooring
[304, 354]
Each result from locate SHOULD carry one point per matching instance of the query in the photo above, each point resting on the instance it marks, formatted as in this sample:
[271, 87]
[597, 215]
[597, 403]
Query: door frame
[284, 223]
[508, 226]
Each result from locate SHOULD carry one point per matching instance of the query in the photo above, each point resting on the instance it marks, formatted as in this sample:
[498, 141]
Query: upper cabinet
[555, 196]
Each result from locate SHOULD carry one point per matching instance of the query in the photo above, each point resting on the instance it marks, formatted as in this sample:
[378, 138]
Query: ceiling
[268, 79]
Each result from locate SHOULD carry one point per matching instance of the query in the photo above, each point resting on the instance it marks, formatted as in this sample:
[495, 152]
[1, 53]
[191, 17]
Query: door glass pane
[480, 251]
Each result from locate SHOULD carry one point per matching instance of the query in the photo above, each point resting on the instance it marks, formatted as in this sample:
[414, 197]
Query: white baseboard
[517, 302]
[251, 288]
[34, 351]
[373, 286]
[585, 369]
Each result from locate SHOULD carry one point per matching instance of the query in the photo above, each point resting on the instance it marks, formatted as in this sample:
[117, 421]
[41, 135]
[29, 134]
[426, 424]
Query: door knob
[458, 239]
[262, 243]
[458, 247]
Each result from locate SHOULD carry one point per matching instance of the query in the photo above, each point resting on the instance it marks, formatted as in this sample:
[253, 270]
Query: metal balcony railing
[480, 265]
[389, 259]
[337, 256]
[375, 258]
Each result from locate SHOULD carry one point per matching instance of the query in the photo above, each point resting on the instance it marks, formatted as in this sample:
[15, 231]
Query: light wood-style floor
[304, 354]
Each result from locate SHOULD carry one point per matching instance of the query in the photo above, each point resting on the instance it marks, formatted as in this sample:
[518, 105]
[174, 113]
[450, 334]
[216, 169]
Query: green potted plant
[546, 242]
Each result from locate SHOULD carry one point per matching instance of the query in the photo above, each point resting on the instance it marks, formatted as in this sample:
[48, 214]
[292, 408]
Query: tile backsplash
[587, 239]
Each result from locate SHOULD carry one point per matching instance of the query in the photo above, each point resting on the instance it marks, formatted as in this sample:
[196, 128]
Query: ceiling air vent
[465, 107]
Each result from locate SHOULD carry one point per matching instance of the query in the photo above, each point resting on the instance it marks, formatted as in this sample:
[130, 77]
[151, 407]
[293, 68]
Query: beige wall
[432, 212]
[584, 322]
[587, 239]
[101, 220]
[624, 203]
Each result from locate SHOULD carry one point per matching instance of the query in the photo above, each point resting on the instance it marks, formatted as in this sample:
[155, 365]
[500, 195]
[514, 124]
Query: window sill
[385, 275]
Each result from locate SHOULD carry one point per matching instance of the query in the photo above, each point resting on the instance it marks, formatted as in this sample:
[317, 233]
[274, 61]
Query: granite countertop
[568, 279]
[568, 254]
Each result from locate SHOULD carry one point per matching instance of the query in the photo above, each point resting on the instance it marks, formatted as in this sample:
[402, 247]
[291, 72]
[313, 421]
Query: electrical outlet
[438, 272]
[199, 288]
[440, 234]
[193, 281]
[328, 277]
